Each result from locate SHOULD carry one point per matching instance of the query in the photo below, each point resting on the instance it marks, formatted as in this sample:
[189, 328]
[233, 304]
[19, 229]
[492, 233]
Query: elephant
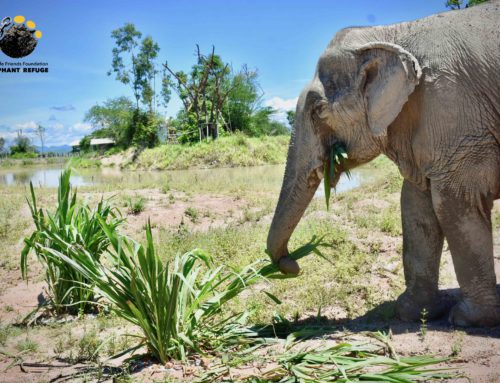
[425, 93]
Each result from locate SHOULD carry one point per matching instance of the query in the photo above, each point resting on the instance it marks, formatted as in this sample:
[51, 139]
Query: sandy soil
[169, 210]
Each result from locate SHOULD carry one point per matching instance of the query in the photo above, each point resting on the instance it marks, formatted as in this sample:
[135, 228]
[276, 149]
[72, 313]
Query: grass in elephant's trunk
[337, 154]
[272, 270]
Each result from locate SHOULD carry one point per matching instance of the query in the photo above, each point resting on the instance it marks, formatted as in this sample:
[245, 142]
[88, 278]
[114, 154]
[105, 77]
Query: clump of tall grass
[136, 205]
[178, 305]
[70, 225]
[193, 214]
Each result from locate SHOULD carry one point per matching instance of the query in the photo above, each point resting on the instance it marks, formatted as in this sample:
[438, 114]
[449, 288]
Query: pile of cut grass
[345, 362]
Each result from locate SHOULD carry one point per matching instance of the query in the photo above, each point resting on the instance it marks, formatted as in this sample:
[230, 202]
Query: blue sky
[282, 39]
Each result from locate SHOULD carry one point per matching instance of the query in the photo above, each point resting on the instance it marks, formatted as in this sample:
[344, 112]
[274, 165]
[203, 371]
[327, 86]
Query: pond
[259, 178]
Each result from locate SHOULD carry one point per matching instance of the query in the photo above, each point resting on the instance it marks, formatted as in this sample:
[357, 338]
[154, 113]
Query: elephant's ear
[387, 77]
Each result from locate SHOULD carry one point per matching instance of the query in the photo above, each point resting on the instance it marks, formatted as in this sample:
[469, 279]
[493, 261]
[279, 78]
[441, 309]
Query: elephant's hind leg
[469, 234]
[422, 247]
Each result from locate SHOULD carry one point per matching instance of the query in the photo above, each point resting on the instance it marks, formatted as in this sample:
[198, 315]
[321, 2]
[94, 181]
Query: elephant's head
[355, 95]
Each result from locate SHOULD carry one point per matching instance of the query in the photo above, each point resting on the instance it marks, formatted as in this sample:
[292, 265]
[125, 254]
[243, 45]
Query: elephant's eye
[321, 109]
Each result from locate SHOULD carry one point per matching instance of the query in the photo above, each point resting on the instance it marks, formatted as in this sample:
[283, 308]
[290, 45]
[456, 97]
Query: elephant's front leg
[466, 224]
[422, 246]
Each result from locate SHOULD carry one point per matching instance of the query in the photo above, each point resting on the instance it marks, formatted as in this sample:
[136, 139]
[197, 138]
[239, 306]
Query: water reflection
[357, 178]
[39, 177]
[258, 178]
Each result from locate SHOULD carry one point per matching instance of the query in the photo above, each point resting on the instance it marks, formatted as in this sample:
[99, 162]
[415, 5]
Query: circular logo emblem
[18, 37]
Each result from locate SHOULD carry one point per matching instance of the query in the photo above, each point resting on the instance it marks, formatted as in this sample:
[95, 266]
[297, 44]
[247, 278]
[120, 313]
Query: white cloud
[26, 125]
[62, 140]
[56, 133]
[57, 126]
[59, 134]
[82, 127]
[281, 106]
[8, 134]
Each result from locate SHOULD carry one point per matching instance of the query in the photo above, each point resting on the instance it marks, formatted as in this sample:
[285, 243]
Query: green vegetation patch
[71, 224]
[231, 151]
[84, 162]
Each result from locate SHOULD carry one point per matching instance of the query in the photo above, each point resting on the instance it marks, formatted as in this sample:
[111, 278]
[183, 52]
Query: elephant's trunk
[302, 177]
[295, 196]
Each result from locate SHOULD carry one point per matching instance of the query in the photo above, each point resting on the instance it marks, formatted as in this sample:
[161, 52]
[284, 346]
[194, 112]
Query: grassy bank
[10, 162]
[84, 162]
[232, 151]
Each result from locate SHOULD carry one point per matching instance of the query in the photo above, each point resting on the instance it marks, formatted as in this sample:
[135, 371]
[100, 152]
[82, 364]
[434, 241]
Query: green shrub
[192, 213]
[70, 225]
[88, 346]
[7, 218]
[22, 156]
[84, 162]
[136, 205]
[390, 223]
[165, 188]
[113, 150]
[27, 345]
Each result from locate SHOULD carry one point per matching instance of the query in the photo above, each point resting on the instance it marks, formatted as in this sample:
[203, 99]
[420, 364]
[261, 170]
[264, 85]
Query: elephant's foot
[467, 314]
[410, 307]
[288, 265]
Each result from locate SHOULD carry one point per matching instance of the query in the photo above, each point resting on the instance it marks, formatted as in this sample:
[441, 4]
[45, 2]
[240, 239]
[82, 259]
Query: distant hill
[46, 149]
[54, 149]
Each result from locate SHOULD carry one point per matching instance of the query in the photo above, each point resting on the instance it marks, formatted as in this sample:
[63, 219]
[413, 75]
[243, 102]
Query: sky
[281, 39]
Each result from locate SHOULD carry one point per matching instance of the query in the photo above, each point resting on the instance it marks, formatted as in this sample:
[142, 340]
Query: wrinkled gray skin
[426, 94]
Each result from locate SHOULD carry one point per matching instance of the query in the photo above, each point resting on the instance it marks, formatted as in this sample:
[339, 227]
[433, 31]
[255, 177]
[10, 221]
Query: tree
[146, 70]
[126, 40]
[262, 124]
[146, 129]
[85, 143]
[40, 132]
[114, 119]
[203, 92]
[457, 4]
[290, 116]
[134, 64]
[243, 100]
[2, 144]
[118, 119]
[214, 96]
[22, 144]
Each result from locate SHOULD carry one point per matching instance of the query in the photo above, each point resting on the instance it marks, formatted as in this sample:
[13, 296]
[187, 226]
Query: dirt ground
[475, 352]
[199, 212]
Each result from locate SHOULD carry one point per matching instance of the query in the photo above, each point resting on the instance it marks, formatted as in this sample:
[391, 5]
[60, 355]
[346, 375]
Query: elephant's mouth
[341, 163]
